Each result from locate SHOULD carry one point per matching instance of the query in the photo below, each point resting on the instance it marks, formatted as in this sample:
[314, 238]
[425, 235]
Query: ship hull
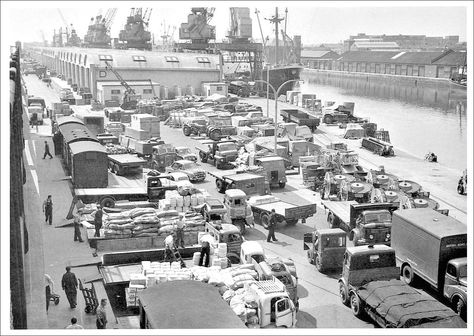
[281, 74]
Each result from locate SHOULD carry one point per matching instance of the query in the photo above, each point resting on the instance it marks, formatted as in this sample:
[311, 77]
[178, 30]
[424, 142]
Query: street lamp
[276, 92]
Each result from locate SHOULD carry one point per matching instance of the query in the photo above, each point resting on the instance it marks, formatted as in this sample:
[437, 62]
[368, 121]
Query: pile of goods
[175, 201]
[115, 149]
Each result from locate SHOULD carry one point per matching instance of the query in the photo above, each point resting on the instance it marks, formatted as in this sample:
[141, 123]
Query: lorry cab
[275, 308]
[325, 248]
[156, 187]
[455, 284]
[371, 223]
[238, 211]
[163, 156]
[251, 250]
[35, 114]
[229, 234]
[274, 167]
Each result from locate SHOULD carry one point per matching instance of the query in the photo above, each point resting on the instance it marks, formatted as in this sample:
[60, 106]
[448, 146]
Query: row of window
[145, 91]
[171, 59]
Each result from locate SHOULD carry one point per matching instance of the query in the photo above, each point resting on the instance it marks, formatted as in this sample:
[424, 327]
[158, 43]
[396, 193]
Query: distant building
[318, 59]
[374, 45]
[434, 64]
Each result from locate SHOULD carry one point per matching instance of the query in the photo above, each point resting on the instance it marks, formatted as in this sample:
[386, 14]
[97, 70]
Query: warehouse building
[173, 71]
[318, 59]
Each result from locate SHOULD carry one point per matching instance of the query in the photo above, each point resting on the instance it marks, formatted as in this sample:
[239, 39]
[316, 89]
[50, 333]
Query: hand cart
[90, 298]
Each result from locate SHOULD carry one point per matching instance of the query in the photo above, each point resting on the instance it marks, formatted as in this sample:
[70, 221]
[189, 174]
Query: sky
[317, 22]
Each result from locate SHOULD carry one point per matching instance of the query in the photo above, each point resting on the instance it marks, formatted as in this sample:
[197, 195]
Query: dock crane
[130, 97]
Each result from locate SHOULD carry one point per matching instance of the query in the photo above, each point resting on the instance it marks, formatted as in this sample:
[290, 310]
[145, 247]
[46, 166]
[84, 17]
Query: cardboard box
[137, 134]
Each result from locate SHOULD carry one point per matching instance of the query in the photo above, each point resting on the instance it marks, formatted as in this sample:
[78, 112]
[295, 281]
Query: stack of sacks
[118, 225]
[85, 211]
[115, 149]
[146, 225]
[236, 277]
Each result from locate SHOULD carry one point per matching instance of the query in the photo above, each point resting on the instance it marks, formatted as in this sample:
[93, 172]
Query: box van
[37, 100]
[35, 115]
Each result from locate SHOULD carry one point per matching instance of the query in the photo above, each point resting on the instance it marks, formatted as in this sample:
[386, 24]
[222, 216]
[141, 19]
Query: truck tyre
[343, 294]
[215, 135]
[107, 202]
[291, 221]
[356, 305]
[318, 264]
[203, 157]
[328, 119]
[220, 185]
[186, 131]
[264, 218]
[459, 306]
[282, 184]
[407, 274]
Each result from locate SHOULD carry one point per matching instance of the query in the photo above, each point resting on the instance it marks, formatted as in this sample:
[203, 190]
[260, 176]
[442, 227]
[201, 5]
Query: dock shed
[89, 165]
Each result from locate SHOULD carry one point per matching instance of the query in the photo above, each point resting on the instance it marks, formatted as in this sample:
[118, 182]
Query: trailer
[125, 164]
[285, 212]
[300, 117]
[377, 146]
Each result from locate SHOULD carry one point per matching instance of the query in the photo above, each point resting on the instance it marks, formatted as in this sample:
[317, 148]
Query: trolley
[90, 297]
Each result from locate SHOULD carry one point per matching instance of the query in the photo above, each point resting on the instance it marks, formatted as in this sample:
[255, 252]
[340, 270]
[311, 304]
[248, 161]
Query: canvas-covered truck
[370, 284]
[433, 247]
[221, 153]
[250, 183]
[301, 118]
[153, 190]
[325, 248]
[285, 212]
[365, 223]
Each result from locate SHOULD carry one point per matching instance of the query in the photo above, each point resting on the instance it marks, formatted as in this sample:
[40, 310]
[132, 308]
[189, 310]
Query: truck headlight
[371, 236]
[221, 160]
[387, 235]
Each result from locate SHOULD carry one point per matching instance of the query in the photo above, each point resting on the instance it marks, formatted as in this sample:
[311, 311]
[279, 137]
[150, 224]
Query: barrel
[420, 203]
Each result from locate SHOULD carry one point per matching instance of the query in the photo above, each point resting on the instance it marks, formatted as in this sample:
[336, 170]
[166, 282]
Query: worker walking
[69, 284]
[180, 231]
[48, 210]
[98, 220]
[49, 286]
[101, 315]
[271, 226]
[46, 150]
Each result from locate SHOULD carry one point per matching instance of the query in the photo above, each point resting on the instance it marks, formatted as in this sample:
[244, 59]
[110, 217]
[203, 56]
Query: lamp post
[276, 92]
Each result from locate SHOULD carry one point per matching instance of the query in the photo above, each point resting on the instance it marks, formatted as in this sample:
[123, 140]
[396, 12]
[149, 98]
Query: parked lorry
[222, 153]
[163, 156]
[292, 131]
[229, 234]
[285, 212]
[238, 212]
[125, 164]
[195, 125]
[370, 284]
[301, 118]
[201, 307]
[368, 223]
[249, 182]
[433, 247]
[154, 189]
[274, 167]
[325, 248]
[377, 146]
[220, 126]
[35, 115]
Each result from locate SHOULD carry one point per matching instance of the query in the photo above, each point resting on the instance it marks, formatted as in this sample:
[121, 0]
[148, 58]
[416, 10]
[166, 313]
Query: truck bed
[286, 209]
[341, 209]
[398, 305]
[126, 159]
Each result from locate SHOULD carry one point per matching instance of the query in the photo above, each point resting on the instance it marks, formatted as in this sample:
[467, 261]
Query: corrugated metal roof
[86, 146]
[68, 120]
[143, 58]
[73, 134]
[417, 57]
[410, 57]
[314, 53]
[453, 58]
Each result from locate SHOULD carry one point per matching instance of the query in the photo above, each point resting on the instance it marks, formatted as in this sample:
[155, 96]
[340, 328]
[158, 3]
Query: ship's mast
[276, 20]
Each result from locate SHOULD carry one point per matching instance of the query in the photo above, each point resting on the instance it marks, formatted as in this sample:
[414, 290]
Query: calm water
[419, 119]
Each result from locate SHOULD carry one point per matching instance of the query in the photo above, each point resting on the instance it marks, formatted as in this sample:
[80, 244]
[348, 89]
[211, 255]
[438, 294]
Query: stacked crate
[147, 123]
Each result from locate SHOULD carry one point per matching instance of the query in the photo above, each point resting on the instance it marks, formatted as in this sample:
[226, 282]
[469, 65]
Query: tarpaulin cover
[403, 306]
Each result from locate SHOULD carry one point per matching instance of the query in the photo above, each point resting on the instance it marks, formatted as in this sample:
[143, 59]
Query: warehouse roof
[201, 306]
[417, 57]
[453, 58]
[131, 83]
[367, 56]
[403, 57]
[142, 59]
[86, 146]
[376, 44]
[314, 53]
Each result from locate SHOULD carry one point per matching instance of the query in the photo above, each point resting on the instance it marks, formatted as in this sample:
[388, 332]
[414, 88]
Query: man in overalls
[48, 209]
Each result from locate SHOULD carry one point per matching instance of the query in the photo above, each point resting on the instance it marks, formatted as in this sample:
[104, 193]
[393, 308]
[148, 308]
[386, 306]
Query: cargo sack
[243, 277]
[167, 213]
[241, 283]
[228, 295]
[166, 229]
[119, 221]
[146, 219]
[141, 211]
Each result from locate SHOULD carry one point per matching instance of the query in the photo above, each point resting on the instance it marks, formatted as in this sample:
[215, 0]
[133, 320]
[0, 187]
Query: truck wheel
[108, 202]
[291, 221]
[220, 185]
[215, 135]
[318, 264]
[343, 294]
[356, 305]
[328, 119]
[186, 131]
[203, 157]
[282, 184]
[265, 219]
[459, 307]
[407, 274]
[332, 220]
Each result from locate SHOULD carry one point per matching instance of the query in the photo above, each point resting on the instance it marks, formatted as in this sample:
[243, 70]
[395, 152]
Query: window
[105, 58]
[451, 270]
[115, 91]
[219, 88]
[102, 73]
[172, 59]
[139, 58]
[203, 60]
[80, 58]
[147, 91]
[85, 59]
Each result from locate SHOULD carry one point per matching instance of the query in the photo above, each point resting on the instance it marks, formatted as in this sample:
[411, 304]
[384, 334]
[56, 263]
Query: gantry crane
[130, 98]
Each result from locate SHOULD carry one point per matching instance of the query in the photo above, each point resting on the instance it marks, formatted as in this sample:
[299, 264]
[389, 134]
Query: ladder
[176, 256]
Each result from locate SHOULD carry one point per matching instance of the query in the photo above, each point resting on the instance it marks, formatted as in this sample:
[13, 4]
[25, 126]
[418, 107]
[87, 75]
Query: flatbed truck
[285, 212]
[126, 164]
[250, 183]
[301, 118]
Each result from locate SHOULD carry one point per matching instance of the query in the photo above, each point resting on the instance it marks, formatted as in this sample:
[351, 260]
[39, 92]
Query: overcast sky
[316, 22]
